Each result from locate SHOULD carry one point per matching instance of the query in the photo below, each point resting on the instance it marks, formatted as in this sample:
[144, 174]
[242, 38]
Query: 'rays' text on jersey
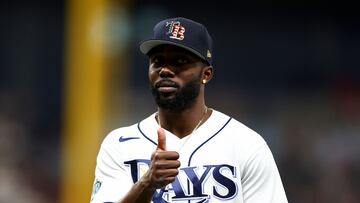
[193, 183]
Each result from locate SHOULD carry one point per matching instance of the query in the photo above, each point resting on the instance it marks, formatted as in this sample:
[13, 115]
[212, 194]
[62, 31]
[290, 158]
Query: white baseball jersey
[221, 161]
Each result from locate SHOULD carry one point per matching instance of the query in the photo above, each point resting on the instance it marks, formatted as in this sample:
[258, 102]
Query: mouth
[166, 86]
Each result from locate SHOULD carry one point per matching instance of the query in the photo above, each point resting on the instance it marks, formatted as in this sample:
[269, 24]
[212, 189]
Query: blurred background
[71, 71]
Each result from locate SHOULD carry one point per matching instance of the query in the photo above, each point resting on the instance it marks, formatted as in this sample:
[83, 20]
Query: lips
[166, 86]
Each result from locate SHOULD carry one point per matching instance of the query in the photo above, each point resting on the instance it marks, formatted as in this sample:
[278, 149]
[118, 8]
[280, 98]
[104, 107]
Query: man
[185, 152]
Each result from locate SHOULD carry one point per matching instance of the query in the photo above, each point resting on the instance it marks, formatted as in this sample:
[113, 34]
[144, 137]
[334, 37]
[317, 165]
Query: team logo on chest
[199, 183]
[175, 30]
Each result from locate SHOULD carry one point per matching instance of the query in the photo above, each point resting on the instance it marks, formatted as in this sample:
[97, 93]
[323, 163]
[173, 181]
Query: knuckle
[157, 164]
[153, 155]
[156, 155]
[177, 154]
[176, 172]
[170, 179]
[157, 176]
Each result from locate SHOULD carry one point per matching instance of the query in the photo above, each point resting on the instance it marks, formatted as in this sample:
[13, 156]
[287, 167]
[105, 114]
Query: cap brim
[147, 45]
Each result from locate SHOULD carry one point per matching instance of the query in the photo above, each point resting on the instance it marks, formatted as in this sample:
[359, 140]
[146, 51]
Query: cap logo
[208, 54]
[176, 31]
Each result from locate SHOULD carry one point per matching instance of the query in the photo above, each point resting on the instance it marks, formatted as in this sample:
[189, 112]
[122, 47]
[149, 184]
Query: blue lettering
[158, 196]
[176, 191]
[134, 167]
[196, 182]
[224, 181]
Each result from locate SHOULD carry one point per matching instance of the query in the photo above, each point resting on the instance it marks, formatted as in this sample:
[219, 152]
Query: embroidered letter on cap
[176, 31]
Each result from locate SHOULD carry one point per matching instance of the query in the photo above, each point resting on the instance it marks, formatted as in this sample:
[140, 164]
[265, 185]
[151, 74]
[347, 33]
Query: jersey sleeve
[112, 181]
[261, 180]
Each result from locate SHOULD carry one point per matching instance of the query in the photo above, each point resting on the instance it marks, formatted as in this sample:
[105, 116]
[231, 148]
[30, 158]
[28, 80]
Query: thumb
[161, 139]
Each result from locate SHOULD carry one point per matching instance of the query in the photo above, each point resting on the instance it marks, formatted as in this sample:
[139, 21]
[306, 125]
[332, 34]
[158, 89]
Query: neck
[184, 122]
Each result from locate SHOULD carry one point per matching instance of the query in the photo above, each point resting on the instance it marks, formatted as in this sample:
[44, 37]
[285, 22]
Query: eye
[156, 60]
[182, 60]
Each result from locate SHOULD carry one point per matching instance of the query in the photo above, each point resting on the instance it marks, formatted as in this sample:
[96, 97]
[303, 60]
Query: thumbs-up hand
[164, 165]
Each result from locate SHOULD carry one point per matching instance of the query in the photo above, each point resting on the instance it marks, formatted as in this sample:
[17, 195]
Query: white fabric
[223, 161]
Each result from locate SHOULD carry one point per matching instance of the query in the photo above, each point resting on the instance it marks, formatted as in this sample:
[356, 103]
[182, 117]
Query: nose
[166, 72]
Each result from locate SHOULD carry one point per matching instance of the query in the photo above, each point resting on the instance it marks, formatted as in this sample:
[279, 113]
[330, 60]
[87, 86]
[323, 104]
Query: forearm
[141, 192]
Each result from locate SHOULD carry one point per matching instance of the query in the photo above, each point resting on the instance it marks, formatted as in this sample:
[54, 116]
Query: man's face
[175, 77]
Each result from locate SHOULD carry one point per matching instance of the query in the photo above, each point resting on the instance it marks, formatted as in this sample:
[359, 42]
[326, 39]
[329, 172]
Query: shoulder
[244, 132]
[115, 134]
[237, 132]
[236, 127]
[126, 133]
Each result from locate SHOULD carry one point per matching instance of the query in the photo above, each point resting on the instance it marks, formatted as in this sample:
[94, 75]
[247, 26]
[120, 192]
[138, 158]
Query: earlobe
[208, 74]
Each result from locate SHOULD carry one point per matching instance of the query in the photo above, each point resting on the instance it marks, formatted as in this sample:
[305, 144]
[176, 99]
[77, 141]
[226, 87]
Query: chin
[166, 96]
[170, 102]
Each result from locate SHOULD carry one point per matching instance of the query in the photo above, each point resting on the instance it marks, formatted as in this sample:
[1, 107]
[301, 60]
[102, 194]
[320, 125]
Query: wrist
[145, 184]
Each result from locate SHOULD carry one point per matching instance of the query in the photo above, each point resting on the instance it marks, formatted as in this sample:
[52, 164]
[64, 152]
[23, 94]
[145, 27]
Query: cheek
[193, 76]
[152, 75]
[152, 69]
[151, 72]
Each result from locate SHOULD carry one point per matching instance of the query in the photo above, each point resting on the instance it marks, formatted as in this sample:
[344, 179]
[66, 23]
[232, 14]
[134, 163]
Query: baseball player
[185, 152]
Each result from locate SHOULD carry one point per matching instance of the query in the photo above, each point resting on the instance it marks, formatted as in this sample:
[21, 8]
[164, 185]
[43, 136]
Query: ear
[208, 73]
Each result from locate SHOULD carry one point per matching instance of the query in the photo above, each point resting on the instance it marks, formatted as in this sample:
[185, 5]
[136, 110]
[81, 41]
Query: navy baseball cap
[181, 32]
